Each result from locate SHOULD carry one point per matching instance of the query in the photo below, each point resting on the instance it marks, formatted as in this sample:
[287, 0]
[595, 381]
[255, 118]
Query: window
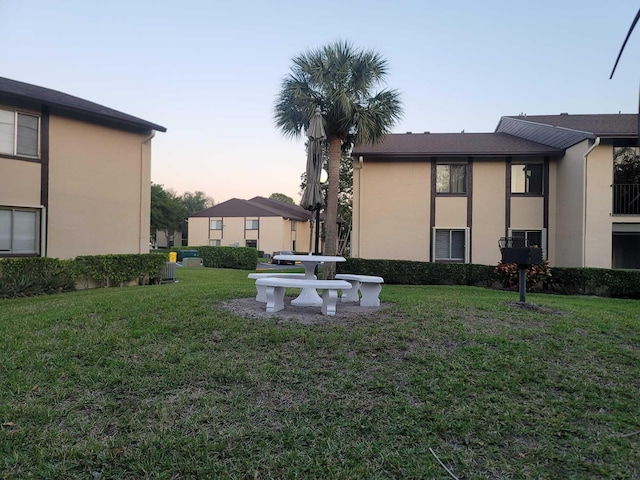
[625, 250]
[19, 133]
[251, 243]
[626, 181]
[251, 224]
[451, 178]
[214, 243]
[293, 225]
[527, 178]
[19, 231]
[216, 225]
[450, 245]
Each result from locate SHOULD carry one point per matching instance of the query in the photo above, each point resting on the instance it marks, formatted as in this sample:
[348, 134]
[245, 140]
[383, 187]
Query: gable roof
[454, 144]
[12, 91]
[256, 207]
[611, 125]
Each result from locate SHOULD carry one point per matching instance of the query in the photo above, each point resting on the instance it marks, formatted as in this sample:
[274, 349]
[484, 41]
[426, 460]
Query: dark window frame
[452, 188]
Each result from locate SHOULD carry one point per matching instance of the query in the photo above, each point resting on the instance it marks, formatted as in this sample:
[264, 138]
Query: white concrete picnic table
[309, 296]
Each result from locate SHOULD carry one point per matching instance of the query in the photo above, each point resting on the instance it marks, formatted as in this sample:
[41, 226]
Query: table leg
[308, 296]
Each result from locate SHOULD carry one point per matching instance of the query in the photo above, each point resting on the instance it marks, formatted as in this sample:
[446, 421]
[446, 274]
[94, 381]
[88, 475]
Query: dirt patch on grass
[250, 308]
[532, 307]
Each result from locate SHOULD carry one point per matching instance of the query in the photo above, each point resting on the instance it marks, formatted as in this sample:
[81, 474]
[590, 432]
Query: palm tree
[340, 79]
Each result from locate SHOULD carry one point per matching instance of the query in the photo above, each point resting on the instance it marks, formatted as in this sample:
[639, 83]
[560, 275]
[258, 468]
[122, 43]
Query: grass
[160, 382]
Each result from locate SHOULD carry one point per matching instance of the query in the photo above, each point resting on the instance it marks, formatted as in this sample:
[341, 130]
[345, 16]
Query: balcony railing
[626, 199]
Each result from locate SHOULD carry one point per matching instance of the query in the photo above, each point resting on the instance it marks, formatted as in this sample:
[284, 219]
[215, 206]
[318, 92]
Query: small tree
[193, 203]
[167, 212]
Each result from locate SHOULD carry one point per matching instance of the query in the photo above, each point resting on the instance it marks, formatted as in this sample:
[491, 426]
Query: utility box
[192, 262]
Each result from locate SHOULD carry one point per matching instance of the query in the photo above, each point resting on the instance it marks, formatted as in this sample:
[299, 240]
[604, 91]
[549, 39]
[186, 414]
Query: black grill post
[517, 250]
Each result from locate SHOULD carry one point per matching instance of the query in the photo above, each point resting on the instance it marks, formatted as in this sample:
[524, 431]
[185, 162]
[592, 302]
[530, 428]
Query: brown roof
[602, 125]
[256, 207]
[12, 91]
[454, 144]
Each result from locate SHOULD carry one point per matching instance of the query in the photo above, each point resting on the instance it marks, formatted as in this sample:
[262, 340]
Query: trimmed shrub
[595, 281]
[568, 281]
[118, 270]
[23, 277]
[405, 272]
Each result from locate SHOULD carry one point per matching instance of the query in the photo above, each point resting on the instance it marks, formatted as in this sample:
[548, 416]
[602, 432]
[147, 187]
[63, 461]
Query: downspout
[584, 201]
[140, 239]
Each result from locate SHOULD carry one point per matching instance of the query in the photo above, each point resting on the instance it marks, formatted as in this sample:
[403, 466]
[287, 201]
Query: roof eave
[58, 107]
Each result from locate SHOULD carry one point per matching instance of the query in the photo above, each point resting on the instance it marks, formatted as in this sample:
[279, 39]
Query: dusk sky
[210, 71]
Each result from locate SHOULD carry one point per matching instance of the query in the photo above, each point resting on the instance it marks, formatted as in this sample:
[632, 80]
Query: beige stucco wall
[451, 212]
[550, 252]
[599, 203]
[391, 208]
[488, 218]
[99, 190]
[569, 193]
[19, 183]
[527, 213]
[274, 233]
[198, 231]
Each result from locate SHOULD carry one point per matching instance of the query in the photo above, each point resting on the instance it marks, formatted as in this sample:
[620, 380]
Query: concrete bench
[369, 287]
[261, 295]
[275, 287]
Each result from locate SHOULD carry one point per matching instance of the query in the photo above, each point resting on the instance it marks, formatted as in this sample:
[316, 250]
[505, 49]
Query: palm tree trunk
[331, 212]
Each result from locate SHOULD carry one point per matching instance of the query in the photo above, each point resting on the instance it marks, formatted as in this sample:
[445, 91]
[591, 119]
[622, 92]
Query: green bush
[239, 258]
[595, 281]
[405, 272]
[21, 277]
[117, 270]
[569, 281]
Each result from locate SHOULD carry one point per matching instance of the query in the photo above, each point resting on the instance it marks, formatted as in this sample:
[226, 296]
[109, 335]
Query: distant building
[262, 223]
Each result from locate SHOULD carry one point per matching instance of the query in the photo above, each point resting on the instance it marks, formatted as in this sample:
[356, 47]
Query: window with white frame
[19, 134]
[294, 225]
[19, 231]
[451, 245]
[214, 243]
[527, 178]
[251, 224]
[531, 238]
[451, 178]
[215, 225]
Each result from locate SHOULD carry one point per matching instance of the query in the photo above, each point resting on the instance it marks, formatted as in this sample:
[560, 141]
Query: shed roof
[13, 91]
[454, 144]
[619, 125]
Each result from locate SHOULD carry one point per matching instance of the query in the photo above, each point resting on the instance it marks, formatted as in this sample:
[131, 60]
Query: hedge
[240, 258]
[563, 280]
[118, 270]
[405, 272]
[22, 277]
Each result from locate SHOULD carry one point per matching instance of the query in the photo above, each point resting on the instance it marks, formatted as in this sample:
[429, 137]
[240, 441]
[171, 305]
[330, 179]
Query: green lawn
[159, 382]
